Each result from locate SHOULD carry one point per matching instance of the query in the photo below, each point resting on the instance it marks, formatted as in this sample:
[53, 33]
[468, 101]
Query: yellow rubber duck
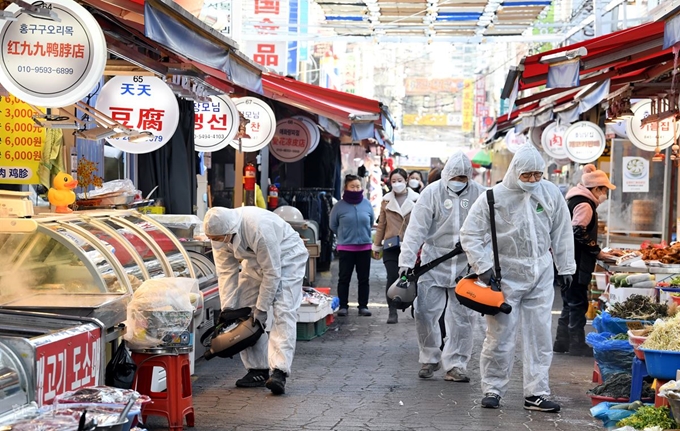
[61, 194]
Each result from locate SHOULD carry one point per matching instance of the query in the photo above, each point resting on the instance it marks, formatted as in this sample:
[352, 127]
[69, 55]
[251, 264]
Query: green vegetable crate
[309, 330]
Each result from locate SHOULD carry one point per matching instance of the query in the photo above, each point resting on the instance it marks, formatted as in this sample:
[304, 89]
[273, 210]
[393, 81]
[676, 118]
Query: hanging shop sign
[291, 141]
[514, 140]
[215, 123]
[645, 137]
[535, 134]
[52, 63]
[260, 124]
[21, 143]
[584, 142]
[314, 133]
[142, 103]
[552, 141]
[635, 175]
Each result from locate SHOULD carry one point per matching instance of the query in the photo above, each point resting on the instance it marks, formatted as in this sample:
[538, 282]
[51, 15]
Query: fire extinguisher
[249, 177]
[273, 198]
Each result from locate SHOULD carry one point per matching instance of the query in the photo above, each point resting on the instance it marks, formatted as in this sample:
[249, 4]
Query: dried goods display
[662, 253]
[618, 386]
[639, 307]
[101, 395]
[664, 336]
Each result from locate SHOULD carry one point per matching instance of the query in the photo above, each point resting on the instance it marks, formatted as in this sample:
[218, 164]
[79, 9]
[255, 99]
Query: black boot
[578, 346]
[277, 382]
[561, 340]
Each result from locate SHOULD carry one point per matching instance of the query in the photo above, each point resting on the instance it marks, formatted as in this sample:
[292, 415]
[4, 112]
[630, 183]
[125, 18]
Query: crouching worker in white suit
[273, 257]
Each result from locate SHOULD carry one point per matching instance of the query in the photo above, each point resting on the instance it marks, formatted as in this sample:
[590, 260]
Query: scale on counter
[15, 204]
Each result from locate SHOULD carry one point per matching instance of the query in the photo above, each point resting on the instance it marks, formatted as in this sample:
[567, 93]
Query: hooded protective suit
[273, 258]
[435, 223]
[529, 225]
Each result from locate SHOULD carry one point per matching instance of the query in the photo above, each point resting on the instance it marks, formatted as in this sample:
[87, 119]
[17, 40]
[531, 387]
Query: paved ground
[362, 375]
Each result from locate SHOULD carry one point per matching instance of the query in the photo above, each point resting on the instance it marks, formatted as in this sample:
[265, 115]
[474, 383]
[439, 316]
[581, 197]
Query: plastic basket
[597, 399]
[662, 364]
[636, 341]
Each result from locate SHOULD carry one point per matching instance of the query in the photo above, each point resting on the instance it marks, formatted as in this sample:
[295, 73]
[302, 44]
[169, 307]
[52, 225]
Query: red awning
[610, 50]
[335, 105]
[216, 78]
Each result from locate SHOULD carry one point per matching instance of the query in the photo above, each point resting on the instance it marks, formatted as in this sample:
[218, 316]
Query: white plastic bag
[161, 308]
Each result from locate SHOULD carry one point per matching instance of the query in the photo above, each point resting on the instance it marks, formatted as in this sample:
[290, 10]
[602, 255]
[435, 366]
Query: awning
[358, 113]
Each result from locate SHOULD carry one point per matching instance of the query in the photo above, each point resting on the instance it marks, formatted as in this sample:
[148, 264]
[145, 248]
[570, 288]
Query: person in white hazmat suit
[532, 218]
[435, 223]
[273, 259]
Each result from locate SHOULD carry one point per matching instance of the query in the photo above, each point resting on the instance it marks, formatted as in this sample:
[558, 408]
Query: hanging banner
[645, 137]
[552, 141]
[314, 133]
[584, 142]
[260, 127]
[468, 105]
[52, 63]
[291, 141]
[514, 140]
[635, 175]
[215, 124]
[21, 143]
[142, 103]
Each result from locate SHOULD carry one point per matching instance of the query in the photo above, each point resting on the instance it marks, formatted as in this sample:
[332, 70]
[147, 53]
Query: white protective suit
[529, 225]
[273, 258]
[435, 223]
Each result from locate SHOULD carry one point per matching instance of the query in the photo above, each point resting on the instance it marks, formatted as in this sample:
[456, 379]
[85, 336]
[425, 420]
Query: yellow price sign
[21, 142]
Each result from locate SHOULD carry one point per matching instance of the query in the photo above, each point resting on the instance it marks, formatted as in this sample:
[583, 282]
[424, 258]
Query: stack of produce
[618, 386]
[639, 281]
[665, 335]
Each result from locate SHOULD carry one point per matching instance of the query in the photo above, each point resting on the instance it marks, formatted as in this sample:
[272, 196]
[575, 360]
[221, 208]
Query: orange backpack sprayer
[474, 294]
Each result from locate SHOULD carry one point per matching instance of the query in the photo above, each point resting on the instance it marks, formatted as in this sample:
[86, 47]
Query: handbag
[476, 295]
[391, 243]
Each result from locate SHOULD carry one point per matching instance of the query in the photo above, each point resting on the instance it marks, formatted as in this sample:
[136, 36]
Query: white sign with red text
[52, 63]
[552, 141]
[514, 140]
[261, 124]
[291, 141]
[270, 17]
[215, 125]
[584, 142]
[646, 137]
[142, 103]
[314, 133]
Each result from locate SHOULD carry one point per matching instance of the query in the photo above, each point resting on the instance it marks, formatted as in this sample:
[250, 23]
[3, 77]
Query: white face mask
[602, 198]
[398, 187]
[456, 186]
[414, 184]
[528, 187]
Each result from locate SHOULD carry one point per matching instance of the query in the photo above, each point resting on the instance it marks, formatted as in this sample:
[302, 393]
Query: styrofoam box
[620, 294]
[602, 280]
[312, 313]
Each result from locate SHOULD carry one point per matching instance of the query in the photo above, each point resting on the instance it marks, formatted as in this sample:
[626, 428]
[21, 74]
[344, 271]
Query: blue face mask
[456, 186]
[528, 187]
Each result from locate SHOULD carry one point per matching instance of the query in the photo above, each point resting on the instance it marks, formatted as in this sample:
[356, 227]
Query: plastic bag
[120, 371]
[161, 311]
[612, 356]
[609, 417]
[112, 187]
[615, 325]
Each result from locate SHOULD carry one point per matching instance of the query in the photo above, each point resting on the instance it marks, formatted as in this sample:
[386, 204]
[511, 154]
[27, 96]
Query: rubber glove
[486, 276]
[565, 282]
[260, 316]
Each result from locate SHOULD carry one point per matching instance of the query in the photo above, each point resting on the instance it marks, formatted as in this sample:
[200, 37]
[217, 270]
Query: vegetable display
[664, 336]
[649, 416]
[618, 386]
[639, 307]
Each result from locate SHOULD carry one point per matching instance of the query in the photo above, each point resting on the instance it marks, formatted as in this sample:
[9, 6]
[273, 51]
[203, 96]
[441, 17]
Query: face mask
[414, 184]
[398, 187]
[457, 186]
[528, 187]
[602, 198]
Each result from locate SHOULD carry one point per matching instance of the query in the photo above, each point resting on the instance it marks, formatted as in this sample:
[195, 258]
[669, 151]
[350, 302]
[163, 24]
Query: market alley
[363, 375]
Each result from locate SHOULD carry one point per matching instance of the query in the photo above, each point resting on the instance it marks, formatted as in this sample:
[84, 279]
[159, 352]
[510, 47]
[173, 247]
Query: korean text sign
[291, 141]
[261, 124]
[66, 361]
[272, 19]
[142, 103]
[52, 63]
[215, 123]
[21, 143]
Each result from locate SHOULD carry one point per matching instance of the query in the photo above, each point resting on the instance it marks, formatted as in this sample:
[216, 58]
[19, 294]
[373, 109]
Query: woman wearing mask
[351, 219]
[582, 201]
[415, 181]
[394, 213]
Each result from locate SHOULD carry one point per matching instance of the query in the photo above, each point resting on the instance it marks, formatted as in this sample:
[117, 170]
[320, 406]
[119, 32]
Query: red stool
[176, 402]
